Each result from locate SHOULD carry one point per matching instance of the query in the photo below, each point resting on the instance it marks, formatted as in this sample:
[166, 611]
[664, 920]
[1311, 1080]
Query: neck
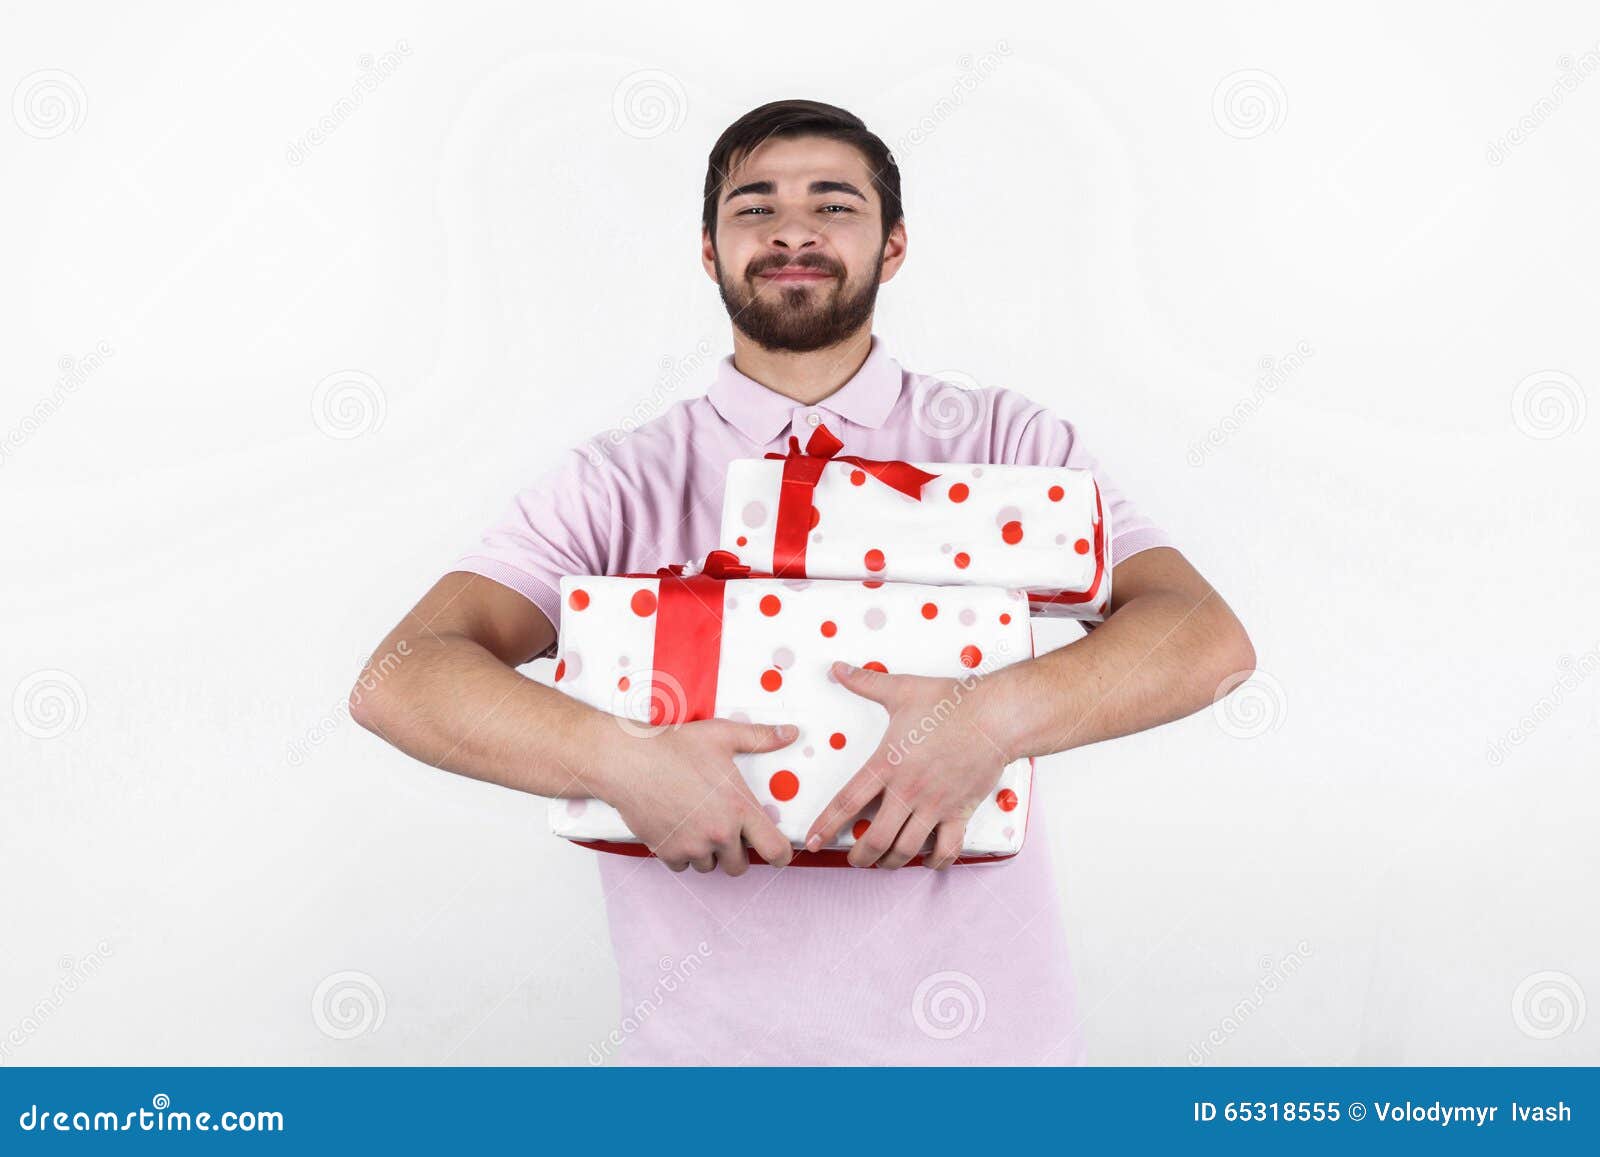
[806, 377]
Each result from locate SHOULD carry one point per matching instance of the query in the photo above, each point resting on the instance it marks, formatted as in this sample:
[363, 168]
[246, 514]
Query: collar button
[813, 419]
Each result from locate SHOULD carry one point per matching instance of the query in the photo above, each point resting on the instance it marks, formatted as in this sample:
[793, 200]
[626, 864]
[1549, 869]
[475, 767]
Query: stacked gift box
[912, 568]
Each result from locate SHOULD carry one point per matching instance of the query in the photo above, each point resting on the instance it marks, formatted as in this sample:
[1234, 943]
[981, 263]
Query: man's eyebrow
[766, 188]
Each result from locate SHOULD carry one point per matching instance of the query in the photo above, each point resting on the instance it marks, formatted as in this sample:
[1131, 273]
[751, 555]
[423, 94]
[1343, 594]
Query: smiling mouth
[793, 276]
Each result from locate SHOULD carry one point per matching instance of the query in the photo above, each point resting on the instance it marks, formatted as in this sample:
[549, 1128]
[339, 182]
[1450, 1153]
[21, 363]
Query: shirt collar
[761, 413]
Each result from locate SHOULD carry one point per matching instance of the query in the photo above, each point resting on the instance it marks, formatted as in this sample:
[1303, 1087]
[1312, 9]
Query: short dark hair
[802, 118]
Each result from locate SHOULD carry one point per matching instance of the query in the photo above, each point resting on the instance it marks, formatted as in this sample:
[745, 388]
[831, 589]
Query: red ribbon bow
[801, 472]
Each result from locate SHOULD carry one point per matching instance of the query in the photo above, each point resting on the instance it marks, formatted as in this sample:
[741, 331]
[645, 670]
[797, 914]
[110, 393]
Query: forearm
[453, 704]
[1160, 656]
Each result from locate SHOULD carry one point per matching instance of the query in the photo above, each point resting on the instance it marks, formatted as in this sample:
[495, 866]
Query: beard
[797, 318]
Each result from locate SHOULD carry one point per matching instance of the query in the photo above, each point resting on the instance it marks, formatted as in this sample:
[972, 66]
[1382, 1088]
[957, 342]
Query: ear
[708, 253]
[894, 251]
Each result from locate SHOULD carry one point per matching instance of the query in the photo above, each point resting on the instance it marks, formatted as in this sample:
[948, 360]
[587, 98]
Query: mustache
[816, 261]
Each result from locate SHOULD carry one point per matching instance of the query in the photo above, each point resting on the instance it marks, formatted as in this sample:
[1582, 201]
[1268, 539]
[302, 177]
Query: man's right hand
[682, 795]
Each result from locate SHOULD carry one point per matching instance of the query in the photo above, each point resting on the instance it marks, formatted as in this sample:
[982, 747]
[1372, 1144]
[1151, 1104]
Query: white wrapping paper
[1042, 529]
[778, 639]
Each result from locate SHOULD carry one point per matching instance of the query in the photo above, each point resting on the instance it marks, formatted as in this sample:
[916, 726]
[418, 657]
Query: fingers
[845, 806]
[880, 834]
[879, 686]
[909, 843]
[769, 843]
[731, 858]
[946, 844]
[761, 736]
[705, 863]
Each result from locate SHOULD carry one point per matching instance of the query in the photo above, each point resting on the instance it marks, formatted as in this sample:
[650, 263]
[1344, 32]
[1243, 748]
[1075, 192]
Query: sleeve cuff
[536, 590]
[1125, 546]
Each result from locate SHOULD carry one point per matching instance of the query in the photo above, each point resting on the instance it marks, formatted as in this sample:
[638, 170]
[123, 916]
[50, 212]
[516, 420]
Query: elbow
[366, 703]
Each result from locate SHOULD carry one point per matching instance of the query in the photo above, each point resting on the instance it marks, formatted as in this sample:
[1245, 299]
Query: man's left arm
[1162, 653]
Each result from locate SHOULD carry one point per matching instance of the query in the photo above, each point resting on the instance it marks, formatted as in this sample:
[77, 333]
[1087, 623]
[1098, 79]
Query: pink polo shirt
[808, 965]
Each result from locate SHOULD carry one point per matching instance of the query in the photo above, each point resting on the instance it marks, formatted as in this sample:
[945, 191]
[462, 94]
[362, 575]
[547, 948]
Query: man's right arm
[443, 687]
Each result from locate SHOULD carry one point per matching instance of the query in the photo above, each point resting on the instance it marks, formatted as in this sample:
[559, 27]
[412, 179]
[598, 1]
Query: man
[802, 223]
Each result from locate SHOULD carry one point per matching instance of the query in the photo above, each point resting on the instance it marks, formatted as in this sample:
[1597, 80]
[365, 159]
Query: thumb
[869, 684]
[762, 736]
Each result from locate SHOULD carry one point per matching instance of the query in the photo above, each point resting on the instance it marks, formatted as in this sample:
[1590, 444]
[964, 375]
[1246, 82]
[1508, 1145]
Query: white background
[495, 255]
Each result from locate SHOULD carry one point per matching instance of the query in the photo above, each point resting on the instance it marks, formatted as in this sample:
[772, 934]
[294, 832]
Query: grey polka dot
[783, 658]
[754, 514]
[977, 471]
[945, 548]
[808, 751]
[1008, 514]
[574, 663]
[1061, 540]
[622, 661]
[729, 602]
[576, 807]
[968, 616]
[772, 811]
[738, 717]
[875, 618]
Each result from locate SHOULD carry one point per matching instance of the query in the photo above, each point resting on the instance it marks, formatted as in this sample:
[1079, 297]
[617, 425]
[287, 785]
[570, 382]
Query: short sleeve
[1046, 440]
[559, 525]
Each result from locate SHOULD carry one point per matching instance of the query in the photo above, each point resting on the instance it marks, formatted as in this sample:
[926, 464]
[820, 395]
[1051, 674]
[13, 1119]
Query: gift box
[819, 514]
[664, 649]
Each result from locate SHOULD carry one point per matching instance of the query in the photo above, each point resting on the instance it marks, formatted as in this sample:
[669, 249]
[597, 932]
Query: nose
[794, 233]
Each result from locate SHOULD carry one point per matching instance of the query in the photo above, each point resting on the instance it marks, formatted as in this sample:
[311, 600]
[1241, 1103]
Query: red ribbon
[802, 470]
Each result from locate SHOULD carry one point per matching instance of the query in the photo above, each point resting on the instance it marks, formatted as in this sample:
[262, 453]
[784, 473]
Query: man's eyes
[821, 209]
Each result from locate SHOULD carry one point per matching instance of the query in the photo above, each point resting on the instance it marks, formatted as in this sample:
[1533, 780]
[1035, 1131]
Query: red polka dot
[930, 610]
[874, 559]
[784, 785]
[1007, 799]
[643, 603]
[578, 599]
[623, 683]
[1056, 494]
[1012, 532]
[829, 628]
[857, 477]
[963, 559]
[971, 656]
[836, 741]
[959, 492]
[1081, 546]
[859, 828]
[771, 679]
[741, 541]
[874, 665]
[1005, 617]
[561, 669]
[872, 584]
[770, 605]
[816, 517]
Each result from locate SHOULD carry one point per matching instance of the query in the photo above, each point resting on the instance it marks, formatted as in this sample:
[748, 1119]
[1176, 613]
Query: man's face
[800, 251]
